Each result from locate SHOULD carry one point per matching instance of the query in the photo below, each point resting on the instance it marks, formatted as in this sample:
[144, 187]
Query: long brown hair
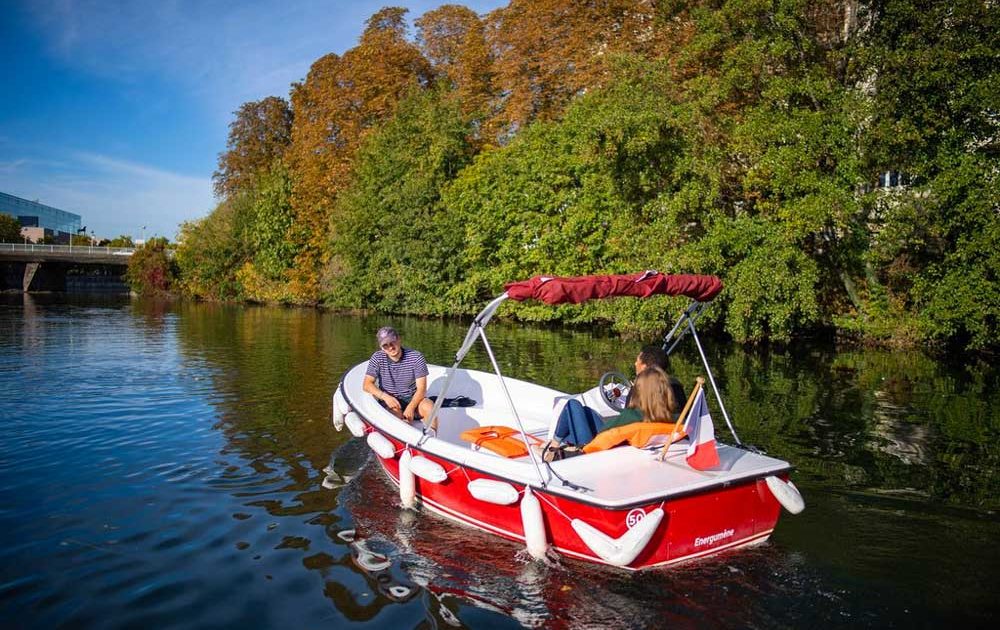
[653, 396]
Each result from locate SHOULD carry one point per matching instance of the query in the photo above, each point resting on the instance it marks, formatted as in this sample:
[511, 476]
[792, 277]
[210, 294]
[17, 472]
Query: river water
[162, 466]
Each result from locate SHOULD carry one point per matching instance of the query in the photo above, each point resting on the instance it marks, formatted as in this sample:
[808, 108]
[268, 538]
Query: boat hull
[693, 526]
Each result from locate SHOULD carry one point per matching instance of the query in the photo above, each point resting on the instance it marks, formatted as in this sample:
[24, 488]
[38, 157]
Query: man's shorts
[404, 401]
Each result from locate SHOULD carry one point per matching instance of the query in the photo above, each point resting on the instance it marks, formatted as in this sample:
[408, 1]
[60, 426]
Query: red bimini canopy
[555, 290]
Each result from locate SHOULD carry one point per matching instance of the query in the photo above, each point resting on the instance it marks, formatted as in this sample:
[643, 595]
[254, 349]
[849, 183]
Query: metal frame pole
[475, 330]
[510, 401]
[711, 379]
[691, 314]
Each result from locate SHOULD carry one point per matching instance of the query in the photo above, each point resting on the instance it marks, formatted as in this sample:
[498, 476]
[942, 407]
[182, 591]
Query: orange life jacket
[637, 434]
[500, 439]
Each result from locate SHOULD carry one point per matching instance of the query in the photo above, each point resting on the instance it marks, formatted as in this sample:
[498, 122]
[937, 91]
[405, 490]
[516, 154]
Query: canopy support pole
[470, 337]
[510, 401]
[477, 330]
[432, 420]
[691, 313]
[711, 379]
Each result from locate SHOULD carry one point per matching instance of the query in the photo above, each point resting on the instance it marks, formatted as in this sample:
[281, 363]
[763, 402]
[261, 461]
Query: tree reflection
[855, 423]
[855, 418]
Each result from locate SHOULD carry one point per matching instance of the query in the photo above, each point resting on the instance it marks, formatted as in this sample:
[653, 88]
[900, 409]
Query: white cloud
[221, 53]
[224, 52]
[13, 166]
[112, 196]
[227, 52]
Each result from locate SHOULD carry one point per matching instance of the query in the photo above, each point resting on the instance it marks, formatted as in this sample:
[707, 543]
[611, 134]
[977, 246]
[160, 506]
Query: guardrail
[32, 248]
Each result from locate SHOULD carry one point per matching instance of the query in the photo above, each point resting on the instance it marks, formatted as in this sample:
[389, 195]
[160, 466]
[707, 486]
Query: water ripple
[169, 465]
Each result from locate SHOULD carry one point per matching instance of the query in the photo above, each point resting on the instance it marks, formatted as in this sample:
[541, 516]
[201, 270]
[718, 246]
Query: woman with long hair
[653, 396]
[651, 400]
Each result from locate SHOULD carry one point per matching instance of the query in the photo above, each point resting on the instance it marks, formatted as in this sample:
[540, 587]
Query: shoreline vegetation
[836, 163]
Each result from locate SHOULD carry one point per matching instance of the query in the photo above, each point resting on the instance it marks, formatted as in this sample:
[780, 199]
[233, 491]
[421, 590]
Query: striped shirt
[398, 378]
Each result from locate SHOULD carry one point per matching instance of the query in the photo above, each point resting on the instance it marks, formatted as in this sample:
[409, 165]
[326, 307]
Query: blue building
[52, 221]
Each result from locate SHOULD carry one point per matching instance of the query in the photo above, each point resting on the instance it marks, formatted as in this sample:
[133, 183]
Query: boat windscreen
[576, 290]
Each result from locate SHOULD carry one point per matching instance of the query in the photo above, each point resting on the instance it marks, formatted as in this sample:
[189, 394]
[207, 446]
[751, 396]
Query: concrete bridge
[82, 268]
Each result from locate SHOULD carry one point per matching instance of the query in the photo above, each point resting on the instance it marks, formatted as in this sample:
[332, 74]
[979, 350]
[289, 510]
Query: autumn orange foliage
[340, 100]
[548, 51]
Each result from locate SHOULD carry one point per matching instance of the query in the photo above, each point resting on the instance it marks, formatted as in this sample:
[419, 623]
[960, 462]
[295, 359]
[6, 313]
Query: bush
[10, 229]
[151, 270]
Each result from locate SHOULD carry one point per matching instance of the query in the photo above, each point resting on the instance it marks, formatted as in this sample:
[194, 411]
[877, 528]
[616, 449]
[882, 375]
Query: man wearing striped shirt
[397, 377]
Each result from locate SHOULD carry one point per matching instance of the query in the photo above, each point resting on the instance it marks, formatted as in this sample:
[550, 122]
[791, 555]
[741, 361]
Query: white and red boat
[626, 506]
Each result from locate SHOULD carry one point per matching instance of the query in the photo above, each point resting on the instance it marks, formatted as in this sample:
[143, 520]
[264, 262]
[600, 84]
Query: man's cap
[386, 334]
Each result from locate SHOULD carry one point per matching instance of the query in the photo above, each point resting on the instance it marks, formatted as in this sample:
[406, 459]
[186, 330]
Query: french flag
[701, 454]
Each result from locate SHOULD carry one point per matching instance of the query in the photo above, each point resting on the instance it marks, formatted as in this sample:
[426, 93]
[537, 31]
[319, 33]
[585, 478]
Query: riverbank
[853, 337]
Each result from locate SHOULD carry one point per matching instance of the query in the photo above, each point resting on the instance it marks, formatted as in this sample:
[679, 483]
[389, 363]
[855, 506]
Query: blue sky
[117, 110]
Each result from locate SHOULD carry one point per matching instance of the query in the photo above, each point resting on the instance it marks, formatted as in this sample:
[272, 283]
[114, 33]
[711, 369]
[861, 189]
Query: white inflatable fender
[534, 526]
[786, 493]
[428, 470]
[624, 549]
[341, 402]
[407, 484]
[493, 491]
[381, 445]
[339, 408]
[354, 424]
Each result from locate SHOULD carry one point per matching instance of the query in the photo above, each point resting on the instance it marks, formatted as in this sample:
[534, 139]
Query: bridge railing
[66, 249]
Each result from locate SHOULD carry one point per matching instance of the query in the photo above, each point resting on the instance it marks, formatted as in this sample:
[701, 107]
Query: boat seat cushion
[638, 434]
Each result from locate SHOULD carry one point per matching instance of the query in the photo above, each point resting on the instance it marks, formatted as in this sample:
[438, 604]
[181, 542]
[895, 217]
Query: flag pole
[682, 418]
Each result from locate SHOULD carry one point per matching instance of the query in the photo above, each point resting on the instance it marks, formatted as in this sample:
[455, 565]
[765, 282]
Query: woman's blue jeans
[577, 424]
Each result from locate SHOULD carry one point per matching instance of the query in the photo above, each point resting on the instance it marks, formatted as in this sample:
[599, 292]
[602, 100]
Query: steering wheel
[614, 387]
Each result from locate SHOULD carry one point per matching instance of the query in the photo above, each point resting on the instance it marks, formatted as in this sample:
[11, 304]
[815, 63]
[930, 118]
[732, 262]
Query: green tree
[260, 134]
[935, 242]
[567, 198]
[269, 222]
[121, 241]
[766, 193]
[396, 246]
[264, 277]
[212, 250]
[241, 249]
[10, 229]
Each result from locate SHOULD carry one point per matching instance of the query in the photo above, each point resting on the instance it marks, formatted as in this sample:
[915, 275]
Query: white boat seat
[453, 421]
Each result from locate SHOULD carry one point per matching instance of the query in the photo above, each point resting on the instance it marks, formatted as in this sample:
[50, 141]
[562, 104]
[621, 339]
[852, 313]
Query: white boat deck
[618, 477]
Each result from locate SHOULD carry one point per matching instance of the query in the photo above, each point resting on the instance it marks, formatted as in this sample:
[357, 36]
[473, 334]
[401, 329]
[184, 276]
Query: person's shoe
[560, 452]
[541, 450]
[552, 452]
